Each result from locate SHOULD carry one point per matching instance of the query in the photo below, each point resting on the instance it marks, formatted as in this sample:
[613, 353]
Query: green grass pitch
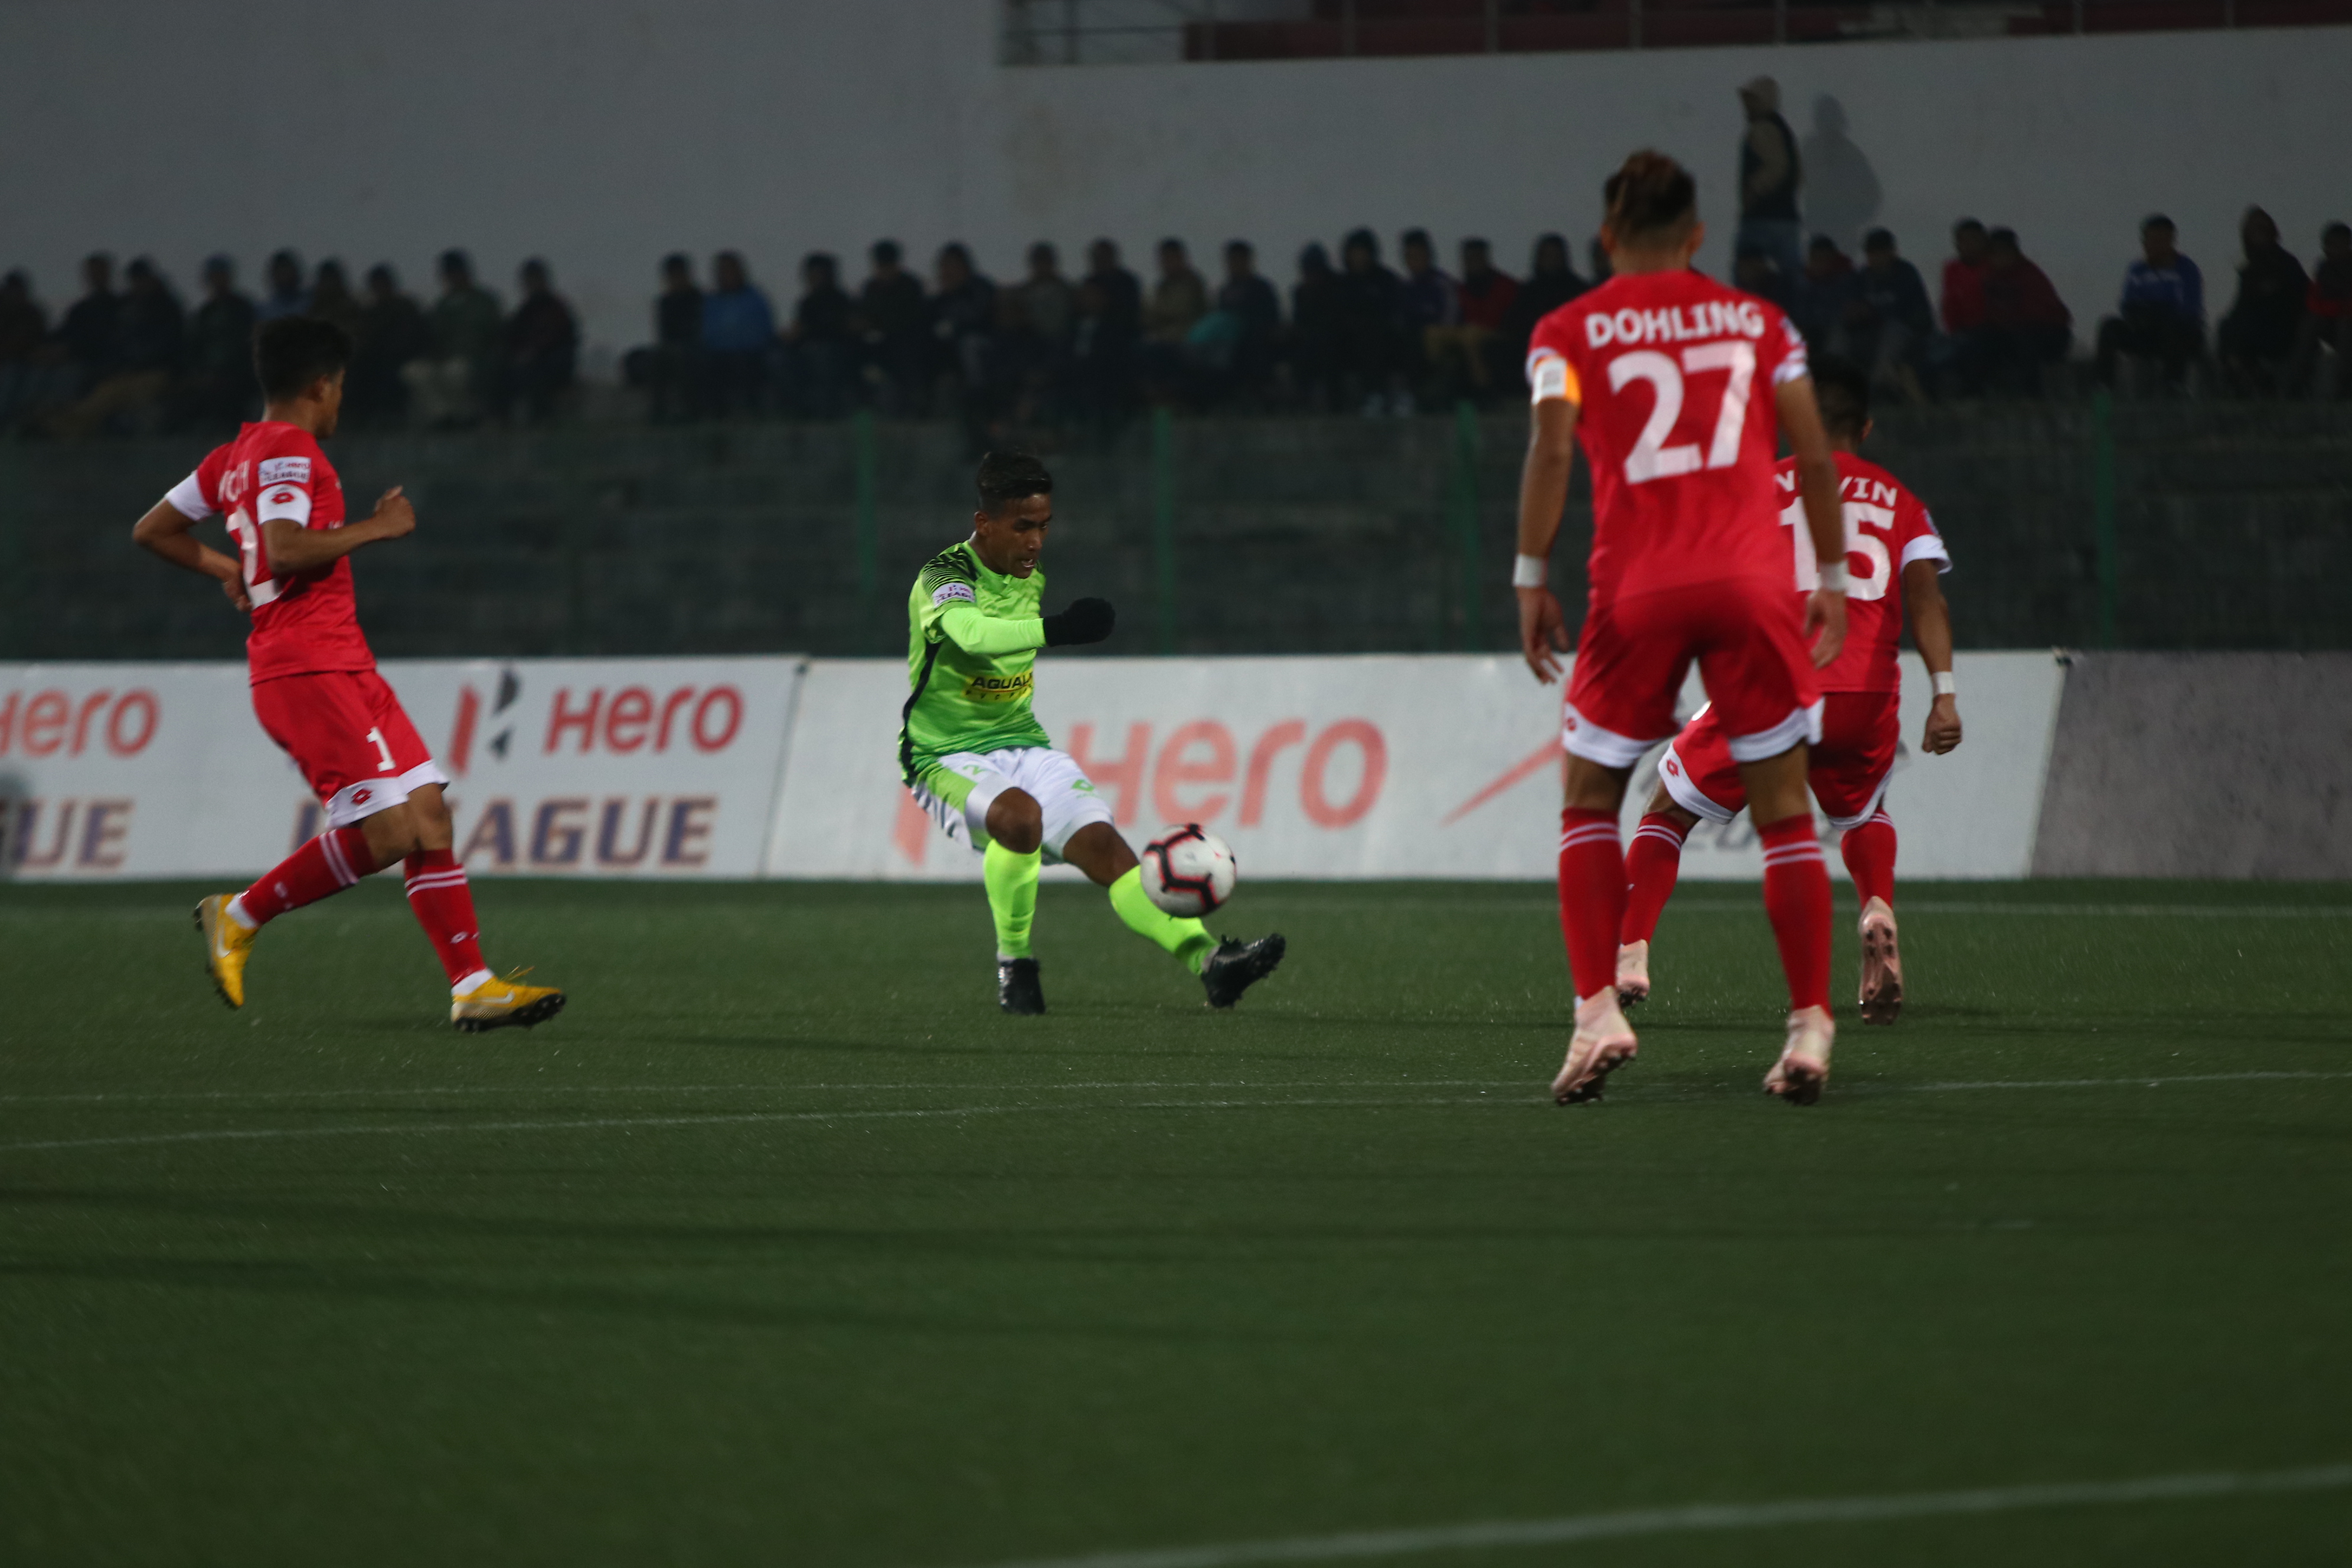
[783, 1246]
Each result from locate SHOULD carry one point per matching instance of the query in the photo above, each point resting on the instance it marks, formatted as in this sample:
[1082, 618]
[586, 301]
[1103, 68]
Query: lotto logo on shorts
[362, 796]
[999, 687]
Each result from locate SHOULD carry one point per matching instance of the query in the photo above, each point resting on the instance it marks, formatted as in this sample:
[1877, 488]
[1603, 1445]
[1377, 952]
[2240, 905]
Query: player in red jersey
[315, 686]
[1678, 389]
[1889, 539]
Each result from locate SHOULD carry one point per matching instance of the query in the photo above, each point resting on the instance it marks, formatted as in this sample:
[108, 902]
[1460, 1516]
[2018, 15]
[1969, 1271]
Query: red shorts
[1848, 768]
[345, 730]
[1634, 654]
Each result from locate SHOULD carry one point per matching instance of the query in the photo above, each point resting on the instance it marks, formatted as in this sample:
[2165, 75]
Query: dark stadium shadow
[344, 1282]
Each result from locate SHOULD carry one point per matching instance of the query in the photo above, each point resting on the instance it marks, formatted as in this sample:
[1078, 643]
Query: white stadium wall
[1323, 768]
[603, 133]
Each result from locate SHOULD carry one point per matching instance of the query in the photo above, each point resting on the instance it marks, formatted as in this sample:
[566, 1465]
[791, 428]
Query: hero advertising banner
[1331, 768]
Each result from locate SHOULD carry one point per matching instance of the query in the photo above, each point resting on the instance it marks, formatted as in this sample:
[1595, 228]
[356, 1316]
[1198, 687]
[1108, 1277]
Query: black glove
[1087, 620]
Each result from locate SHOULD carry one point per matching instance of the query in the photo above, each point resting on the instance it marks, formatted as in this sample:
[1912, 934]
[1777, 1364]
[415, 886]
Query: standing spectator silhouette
[88, 336]
[1964, 274]
[2162, 313]
[893, 328]
[283, 294]
[24, 332]
[1371, 327]
[1314, 347]
[1049, 302]
[452, 382]
[542, 348]
[1432, 309]
[1179, 300]
[1250, 312]
[218, 386]
[2327, 317]
[332, 299]
[150, 332]
[1467, 355]
[2027, 328]
[1888, 322]
[1769, 179]
[1552, 282]
[1822, 292]
[739, 338]
[821, 345]
[2256, 339]
[392, 334]
[963, 315]
[669, 369]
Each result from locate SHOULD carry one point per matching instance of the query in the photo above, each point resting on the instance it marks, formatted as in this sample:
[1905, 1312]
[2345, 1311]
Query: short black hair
[292, 351]
[1842, 388]
[2157, 220]
[1650, 195]
[885, 252]
[1008, 477]
[1878, 240]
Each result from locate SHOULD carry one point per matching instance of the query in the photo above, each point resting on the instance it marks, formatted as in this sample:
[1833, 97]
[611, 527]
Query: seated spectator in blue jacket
[1888, 322]
[739, 337]
[2162, 315]
[2256, 339]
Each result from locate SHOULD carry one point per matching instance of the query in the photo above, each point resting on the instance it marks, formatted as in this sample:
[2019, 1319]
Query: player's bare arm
[1817, 481]
[165, 531]
[1931, 629]
[295, 549]
[1543, 496]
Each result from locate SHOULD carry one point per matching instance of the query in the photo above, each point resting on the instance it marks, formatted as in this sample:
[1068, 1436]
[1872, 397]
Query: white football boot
[1882, 966]
[1632, 973]
[1603, 1043]
[1804, 1068]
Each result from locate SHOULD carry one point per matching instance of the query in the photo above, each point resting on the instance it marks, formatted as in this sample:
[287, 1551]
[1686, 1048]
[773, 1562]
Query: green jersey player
[977, 760]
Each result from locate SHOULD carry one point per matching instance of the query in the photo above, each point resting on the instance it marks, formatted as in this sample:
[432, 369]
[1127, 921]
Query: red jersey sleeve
[199, 496]
[1916, 537]
[1781, 351]
[286, 473]
[1552, 361]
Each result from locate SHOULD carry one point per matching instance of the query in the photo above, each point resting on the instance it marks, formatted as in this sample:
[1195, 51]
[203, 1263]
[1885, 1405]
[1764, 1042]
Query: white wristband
[1945, 685]
[1834, 579]
[1531, 571]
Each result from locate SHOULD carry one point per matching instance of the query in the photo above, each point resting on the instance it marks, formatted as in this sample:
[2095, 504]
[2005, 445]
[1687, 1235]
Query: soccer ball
[1188, 871]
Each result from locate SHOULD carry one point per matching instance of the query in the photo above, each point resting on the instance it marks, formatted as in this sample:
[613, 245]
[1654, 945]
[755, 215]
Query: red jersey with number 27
[1887, 528]
[303, 623]
[1674, 376]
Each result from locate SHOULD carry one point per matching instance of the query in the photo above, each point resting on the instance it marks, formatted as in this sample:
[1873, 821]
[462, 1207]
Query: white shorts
[958, 790]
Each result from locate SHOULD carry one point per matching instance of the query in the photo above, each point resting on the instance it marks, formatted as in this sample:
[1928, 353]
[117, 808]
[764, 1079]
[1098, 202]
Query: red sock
[1869, 852]
[328, 864]
[1591, 897]
[444, 906]
[1797, 900]
[1651, 864]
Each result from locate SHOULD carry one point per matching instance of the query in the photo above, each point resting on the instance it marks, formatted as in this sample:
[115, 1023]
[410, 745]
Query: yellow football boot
[496, 1004]
[226, 947]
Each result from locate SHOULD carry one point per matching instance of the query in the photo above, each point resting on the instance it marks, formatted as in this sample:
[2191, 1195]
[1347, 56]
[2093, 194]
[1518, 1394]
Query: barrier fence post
[2103, 508]
[869, 527]
[1163, 524]
[1462, 520]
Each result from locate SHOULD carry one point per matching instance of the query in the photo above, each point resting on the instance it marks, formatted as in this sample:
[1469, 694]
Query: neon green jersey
[972, 637]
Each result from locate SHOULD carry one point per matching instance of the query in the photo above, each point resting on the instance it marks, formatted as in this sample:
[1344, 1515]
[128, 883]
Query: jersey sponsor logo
[1676, 323]
[285, 472]
[1000, 688]
[947, 591]
[284, 498]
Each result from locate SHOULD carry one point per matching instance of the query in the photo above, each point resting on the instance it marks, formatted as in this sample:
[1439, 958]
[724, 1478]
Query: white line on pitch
[1356, 1545]
[718, 1119]
[396, 1090]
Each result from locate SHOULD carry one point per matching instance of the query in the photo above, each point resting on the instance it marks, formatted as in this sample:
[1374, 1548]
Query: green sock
[1189, 940]
[1012, 882]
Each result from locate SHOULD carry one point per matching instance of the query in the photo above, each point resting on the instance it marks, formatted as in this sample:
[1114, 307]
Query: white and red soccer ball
[1188, 871]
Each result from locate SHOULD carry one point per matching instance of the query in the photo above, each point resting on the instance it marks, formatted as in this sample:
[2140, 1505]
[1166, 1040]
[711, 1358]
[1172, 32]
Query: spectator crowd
[1057, 349]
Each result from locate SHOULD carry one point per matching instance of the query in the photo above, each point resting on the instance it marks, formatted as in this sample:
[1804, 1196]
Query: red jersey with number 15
[1887, 528]
[303, 623]
[1675, 376]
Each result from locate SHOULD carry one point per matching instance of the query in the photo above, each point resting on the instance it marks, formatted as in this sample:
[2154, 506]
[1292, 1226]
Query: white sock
[471, 984]
[237, 912]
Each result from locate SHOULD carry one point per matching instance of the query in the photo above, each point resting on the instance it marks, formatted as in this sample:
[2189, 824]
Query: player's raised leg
[321, 867]
[1869, 853]
[1653, 862]
[1227, 966]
